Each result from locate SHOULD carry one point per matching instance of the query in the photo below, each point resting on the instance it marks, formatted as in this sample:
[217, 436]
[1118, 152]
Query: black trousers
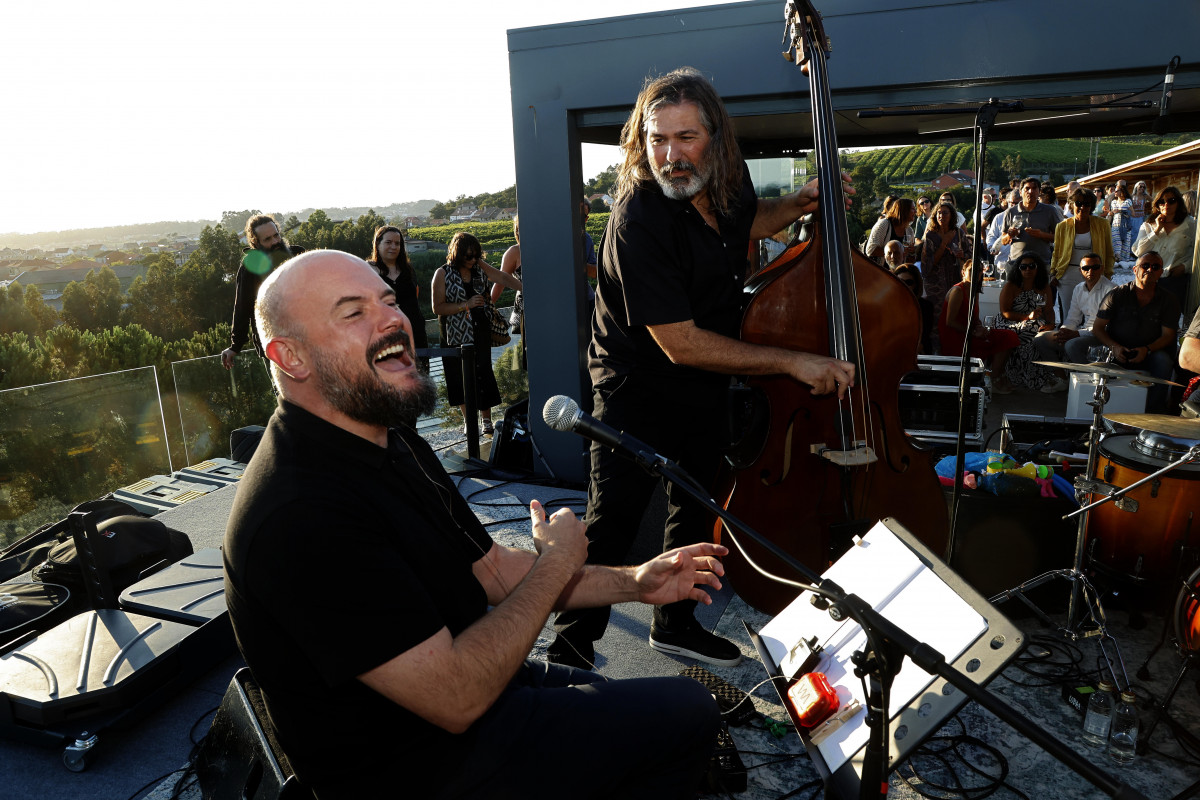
[619, 490]
[560, 732]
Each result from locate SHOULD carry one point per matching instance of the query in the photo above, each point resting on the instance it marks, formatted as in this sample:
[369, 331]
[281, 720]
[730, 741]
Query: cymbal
[1107, 370]
[1159, 423]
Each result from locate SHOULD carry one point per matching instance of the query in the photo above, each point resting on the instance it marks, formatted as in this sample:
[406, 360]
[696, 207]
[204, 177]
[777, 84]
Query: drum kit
[1137, 526]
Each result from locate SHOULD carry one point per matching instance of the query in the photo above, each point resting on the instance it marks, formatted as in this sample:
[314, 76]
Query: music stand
[996, 641]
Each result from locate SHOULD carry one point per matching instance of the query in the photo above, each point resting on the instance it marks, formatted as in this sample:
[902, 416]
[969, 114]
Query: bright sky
[139, 111]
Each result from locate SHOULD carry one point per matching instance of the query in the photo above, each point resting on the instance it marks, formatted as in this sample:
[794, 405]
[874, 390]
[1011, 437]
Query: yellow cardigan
[1064, 245]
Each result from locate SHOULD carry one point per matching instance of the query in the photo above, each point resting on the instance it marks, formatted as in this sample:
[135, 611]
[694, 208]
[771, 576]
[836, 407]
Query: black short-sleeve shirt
[661, 263]
[1136, 326]
[340, 555]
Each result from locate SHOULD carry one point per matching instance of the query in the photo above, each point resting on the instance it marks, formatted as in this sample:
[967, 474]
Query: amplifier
[1020, 432]
[928, 411]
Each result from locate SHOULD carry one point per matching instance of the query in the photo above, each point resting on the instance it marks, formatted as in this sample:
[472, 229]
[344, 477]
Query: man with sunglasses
[1138, 321]
[924, 213]
[1072, 341]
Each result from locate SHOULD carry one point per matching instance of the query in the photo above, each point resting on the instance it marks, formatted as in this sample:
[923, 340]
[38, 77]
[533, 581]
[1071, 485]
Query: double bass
[817, 471]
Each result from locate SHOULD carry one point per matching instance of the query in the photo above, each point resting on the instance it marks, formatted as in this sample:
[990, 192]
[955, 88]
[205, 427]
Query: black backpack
[122, 546]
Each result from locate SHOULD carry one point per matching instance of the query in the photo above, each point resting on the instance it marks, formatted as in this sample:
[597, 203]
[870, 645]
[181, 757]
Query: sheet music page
[885, 573]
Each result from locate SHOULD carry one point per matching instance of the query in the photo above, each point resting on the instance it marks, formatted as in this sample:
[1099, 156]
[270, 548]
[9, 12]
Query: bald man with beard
[409, 673]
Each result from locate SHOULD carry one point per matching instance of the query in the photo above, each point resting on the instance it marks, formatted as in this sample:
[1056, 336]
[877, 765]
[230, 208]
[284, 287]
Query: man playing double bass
[665, 335]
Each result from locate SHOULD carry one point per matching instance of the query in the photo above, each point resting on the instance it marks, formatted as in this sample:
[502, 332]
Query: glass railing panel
[213, 402]
[66, 442]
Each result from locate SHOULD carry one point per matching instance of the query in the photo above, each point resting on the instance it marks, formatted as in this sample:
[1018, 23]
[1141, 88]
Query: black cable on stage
[817, 784]
[1049, 670]
[945, 750]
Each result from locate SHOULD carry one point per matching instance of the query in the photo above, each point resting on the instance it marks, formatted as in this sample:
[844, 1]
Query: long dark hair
[1042, 278]
[684, 85]
[401, 259]
[461, 244]
[1180, 209]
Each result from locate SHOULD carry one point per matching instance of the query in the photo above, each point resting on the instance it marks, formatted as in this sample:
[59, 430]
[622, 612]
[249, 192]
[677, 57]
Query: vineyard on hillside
[922, 163]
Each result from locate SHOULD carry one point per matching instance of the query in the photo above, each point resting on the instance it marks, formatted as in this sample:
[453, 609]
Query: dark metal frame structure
[576, 82]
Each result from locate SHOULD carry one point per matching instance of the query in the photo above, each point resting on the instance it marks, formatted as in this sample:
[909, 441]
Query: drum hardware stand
[1081, 587]
[1181, 577]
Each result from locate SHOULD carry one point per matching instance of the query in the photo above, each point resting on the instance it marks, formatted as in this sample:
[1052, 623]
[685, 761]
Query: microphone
[563, 414]
[1164, 104]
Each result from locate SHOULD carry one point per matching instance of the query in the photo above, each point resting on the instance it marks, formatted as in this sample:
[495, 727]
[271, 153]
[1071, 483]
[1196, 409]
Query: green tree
[44, 316]
[95, 303]
[173, 301]
[1013, 167]
[21, 361]
[15, 316]
[604, 182]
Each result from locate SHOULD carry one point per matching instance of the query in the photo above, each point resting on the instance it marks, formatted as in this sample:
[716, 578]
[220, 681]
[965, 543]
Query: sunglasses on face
[1149, 267]
[1168, 201]
[1027, 266]
[1089, 267]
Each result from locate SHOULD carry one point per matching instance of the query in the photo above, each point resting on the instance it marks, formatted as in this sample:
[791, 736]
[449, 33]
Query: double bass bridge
[858, 456]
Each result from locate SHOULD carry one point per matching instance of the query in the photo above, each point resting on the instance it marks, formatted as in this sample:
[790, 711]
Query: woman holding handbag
[460, 296]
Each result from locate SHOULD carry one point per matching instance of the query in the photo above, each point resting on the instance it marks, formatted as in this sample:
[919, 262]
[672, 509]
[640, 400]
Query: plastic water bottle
[1099, 715]
[1122, 744]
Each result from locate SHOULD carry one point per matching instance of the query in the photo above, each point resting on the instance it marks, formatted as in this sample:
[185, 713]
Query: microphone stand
[887, 644]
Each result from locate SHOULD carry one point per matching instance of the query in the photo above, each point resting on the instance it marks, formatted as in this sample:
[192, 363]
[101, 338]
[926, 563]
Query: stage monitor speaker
[241, 756]
[1001, 542]
[244, 441]
[512, 448]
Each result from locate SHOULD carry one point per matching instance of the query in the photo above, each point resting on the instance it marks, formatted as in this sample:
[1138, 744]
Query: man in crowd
[1029, 225]
[1138, 321]
[1072, 341]
[266, 249]
[665, 335]
[401, 679]
[893, 254]
[924, 211]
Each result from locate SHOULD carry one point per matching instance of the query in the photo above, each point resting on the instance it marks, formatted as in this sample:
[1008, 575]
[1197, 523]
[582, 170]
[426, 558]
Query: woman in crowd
[1074, 238]
[910, 276]
[993, 345]
[895, 225]
[460, 297]
[1139, 205]
[1026, 308]
[1170, 232]
[390, 259]
[1120, 217]
[941, 254]
[511, 264]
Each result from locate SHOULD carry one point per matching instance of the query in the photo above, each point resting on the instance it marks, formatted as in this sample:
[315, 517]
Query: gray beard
[679, 189]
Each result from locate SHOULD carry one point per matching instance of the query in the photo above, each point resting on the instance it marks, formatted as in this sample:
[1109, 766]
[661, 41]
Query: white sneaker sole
[673, 650]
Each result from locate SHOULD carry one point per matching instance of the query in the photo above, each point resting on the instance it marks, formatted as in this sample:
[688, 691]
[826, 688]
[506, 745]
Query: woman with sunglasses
[1170, 232]
[1074, 238]
[910, 276]
[993, 345]
[1026, 308]
[460, 298]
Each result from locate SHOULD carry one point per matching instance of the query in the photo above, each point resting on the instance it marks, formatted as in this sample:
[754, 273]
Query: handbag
[499, 328]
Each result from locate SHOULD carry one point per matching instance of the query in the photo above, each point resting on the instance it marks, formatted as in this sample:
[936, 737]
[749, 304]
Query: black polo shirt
[1137, 326]
[661, 263]
[340, 555]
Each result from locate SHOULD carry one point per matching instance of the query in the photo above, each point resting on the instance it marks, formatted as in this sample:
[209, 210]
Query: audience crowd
[1059, 299]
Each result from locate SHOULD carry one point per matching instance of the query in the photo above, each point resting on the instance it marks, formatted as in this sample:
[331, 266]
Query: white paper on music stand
[887, 575]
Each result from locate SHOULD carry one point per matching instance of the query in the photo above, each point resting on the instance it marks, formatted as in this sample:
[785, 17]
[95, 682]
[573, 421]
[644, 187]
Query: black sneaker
[695, 642]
